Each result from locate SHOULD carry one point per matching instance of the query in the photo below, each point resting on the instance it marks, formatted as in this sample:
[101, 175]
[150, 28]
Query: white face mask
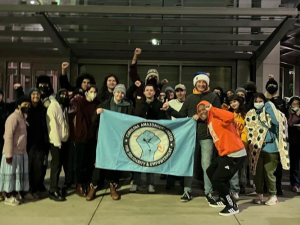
[295, 109]
[92, 96]
[259, 105]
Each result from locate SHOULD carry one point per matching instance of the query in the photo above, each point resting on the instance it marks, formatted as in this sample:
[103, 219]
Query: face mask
[24, 110]
[92, 96]
[272, 90]
[152, 81]
[45, 92]
[64, 102]
[295, 109]
[259, 105]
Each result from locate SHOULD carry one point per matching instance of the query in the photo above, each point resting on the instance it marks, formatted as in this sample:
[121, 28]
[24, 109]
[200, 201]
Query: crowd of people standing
[254, 134]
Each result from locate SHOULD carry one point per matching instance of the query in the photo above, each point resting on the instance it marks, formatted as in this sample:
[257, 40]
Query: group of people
[249, 130]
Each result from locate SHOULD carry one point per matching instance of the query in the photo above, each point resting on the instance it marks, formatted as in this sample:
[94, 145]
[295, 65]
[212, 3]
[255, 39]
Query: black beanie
[271, 81]
[22, 99]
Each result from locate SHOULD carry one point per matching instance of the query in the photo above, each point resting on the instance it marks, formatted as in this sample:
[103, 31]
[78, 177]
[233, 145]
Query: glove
[9, 160]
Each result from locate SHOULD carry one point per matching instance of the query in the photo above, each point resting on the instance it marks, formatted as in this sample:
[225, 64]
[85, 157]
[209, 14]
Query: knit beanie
[121, 88]
[240, 89]
[201, 76]
[152, 72]
[250, 86]
[22, 99]
[271, 81]
[33, 90]
[169, 88]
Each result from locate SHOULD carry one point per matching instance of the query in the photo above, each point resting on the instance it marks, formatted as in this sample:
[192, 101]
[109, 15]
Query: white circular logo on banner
[149, 144]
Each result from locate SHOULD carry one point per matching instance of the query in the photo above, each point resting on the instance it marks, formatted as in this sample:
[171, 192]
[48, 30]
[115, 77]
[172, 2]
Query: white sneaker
[272, 200]
[151, 189]
[235, 195]
[259, 199]
[133, 188]
[12, 201]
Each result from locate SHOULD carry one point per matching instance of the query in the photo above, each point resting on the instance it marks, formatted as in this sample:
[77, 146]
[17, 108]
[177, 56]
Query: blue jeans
[138, 176]
[234, 183]
[207, 147]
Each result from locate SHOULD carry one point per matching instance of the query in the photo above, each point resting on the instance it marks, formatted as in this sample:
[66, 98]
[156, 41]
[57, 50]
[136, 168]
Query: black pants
[85, 155]
[278, 175]
[100, 175]
[221, 171]
[59, 160]
[70, 175]
[36, 157]
[294, 162]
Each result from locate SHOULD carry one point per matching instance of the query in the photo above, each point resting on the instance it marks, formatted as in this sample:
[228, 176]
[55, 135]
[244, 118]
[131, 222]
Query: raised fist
[16, 86]
[64, 65]
[138, 83]
[165, 106]
[137, 51]
[164, 81]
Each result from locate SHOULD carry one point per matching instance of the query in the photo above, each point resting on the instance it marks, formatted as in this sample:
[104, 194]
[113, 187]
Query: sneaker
[210, 199]
[295, 189]
[229, 210]
[12, 201]
[272, 200]
[235, 195]
[259, 199]
[186, 197]
[133, 189]
[151, 189]
[219, 203]
[28, 196]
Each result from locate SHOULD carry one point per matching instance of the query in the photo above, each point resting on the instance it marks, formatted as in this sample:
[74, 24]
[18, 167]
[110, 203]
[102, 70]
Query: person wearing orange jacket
[232, 153]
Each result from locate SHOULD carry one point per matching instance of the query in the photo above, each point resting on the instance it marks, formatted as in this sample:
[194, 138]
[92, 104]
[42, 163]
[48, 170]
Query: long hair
[104, 88]
[258, 95]
[242, 108]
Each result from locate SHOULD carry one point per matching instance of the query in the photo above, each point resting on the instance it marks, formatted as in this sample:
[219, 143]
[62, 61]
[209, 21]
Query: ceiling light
[155, 42]
[32, 2]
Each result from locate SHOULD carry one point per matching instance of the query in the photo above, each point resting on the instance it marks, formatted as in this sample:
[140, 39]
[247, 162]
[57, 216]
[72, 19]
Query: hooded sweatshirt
[84, 114]
[189, 109]
[221, 126]
[57, 123]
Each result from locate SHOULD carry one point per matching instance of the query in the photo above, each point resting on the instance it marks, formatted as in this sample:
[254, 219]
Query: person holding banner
[189, 109]
[120, 104]
[232, 153]
[148, 107]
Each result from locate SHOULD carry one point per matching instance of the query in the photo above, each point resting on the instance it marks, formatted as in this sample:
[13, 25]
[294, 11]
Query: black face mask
[24, 110]
[272, 90]
[64, 102]
[152, 81]
[45, 92]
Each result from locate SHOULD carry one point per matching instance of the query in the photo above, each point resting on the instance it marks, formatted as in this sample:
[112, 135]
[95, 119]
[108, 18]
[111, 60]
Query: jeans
[206, 159]
[234, 183]
[138, 176]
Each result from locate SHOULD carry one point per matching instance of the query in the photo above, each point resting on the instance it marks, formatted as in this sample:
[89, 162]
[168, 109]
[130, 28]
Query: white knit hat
[201, 76]
[152, 72]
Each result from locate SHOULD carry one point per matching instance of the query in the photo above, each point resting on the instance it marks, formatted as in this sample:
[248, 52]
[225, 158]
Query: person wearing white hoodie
[58, 129]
